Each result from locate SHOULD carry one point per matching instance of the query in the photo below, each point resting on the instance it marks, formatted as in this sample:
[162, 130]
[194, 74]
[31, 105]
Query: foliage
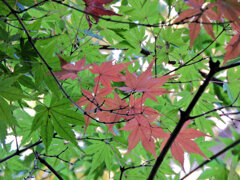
[69, 110]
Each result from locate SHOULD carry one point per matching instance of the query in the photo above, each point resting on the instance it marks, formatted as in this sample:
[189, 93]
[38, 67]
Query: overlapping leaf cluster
[78, 114]
[228, 9]
[139, 117]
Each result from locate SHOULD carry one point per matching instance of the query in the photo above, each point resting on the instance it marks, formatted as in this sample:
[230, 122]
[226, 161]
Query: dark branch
[20, 151]
[30, 7]
[214, 80]
[43, 161]
[198, 54]
[145, 52]
[184, 117]
[217, 109]
[213, 157]
[142, 24]
[57, 156]
[41, 57]
[229, 66]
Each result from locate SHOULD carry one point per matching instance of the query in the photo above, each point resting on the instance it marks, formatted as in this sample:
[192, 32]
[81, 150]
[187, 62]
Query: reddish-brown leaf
[233, 47]
[186, 15]
[145, 83]
[69, 70]
[208, 26]
[198, 15]
[135, 83]
[93, 100]
[194, 30]
[95, 7]
[141, 127]
[136, 107]
[108, 72]
[184, 141]
[178, 153]
[118, 107]
[229, 9]
[153, 88]
[190, 146]
[62, 61]
[142, 130]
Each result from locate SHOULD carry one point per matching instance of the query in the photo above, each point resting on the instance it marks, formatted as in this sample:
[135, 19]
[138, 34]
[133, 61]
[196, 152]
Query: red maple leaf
[198, 14]
[145, 83]
[93, 100]
[95, 7]
[108, 72]
[144, 131]
[62, 61]
[69, 70]
[116, 108]
[184, 142]
[135, 83]
[154, 88]
[232, 49]
[136, 108]
[141, 126]
[229, 9]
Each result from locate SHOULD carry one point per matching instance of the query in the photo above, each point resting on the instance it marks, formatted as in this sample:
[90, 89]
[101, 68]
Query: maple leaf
[198, 14]
[93, 100]
[154, 87]
[136, 107]
[108, 72]
[141, 127]
[144, 131]
[62, 61]
[95, 7]
[230, 9]
[69, 70]
[135, 83]
[116, 105]
[145, 83]
[184, 142]
[232, 49]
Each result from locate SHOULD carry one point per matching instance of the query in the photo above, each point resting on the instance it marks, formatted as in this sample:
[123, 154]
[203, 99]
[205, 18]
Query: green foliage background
[26, 86]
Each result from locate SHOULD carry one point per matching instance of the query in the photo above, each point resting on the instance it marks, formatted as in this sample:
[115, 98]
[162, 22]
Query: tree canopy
[110, 89]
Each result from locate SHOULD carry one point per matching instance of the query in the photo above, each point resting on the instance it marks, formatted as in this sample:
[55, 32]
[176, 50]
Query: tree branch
[229, 66]
[30, 7]
[145, 52]
[142, 24]
[217, 109]
[49, 166]
[198, 54]
[20, 151]
[183, 118]
[213, 157]
[41, 57]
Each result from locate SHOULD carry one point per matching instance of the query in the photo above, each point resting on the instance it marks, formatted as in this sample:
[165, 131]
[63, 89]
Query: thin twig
[198, 54]
[41, 57]
[20, 151]
[217, 109]
[140, 24]
[213, 157]
[43, 161]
